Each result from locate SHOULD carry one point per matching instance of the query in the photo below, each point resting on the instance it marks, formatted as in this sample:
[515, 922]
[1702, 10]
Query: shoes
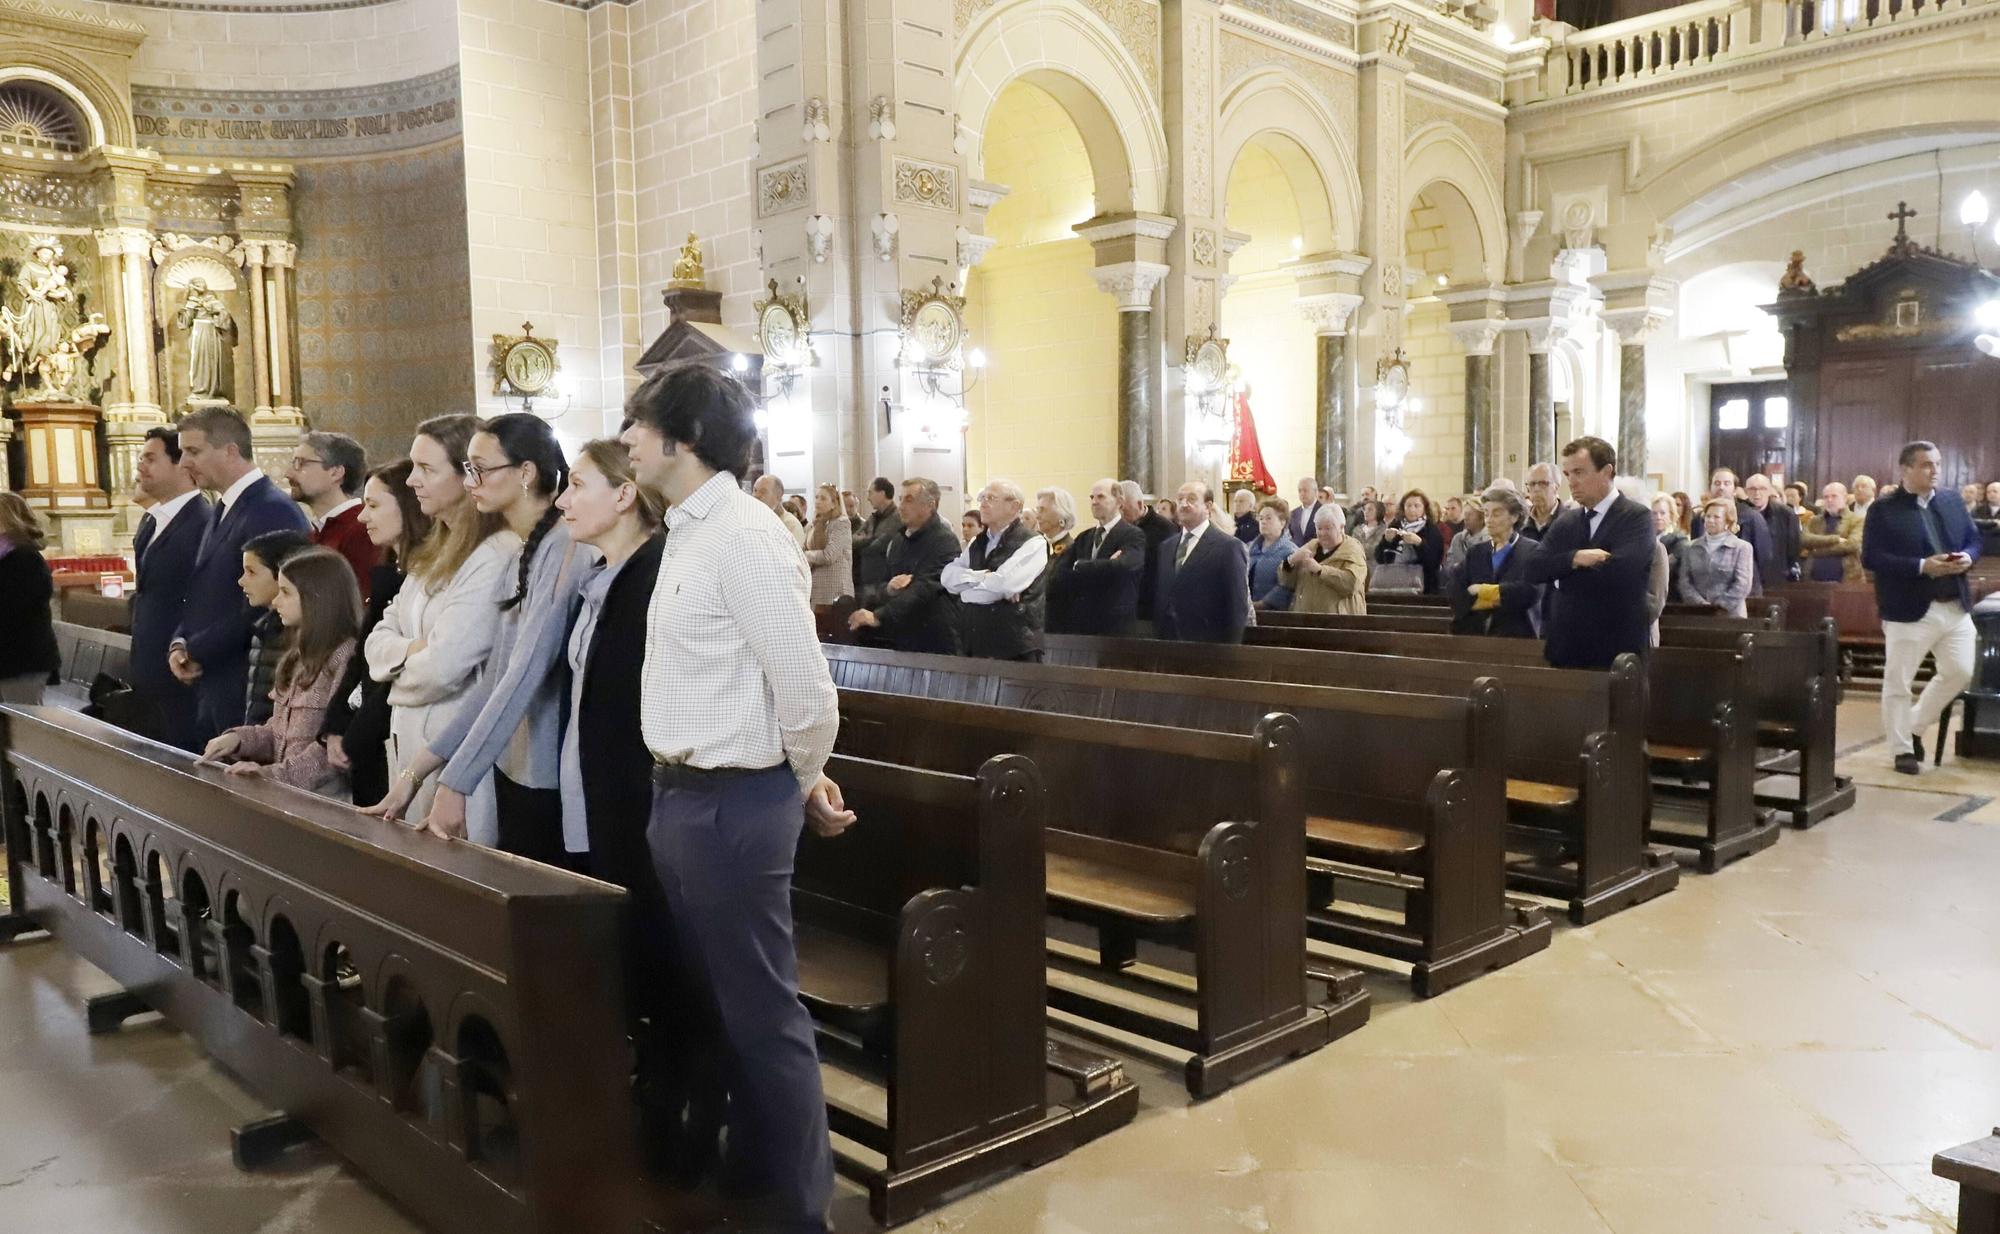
[1917, 748]
[1909, 764]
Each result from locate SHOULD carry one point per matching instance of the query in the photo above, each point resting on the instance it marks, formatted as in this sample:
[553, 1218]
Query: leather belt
[680, 775]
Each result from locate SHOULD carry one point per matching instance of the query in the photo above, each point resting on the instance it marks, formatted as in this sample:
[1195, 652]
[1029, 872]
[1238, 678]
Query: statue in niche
[35, 330]
[206, 320]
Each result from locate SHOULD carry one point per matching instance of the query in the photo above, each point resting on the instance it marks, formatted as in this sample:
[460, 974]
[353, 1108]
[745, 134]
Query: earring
[524, 486]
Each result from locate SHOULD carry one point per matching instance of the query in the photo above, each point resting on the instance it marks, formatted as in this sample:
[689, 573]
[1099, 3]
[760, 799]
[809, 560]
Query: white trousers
[1946, 631]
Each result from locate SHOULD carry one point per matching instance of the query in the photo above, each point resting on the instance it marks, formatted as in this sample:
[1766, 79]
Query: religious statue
[35, 329]
[206, 320]
[1795, 281]
[58, 370]
[687, 268]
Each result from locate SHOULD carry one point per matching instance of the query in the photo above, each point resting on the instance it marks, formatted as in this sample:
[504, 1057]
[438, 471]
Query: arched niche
[1439, 157]
[1069, 52]
[1272, 110]
[99, 101]
[215, 263]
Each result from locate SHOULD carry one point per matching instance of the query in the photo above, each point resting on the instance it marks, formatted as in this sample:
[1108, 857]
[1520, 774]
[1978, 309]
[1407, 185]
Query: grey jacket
[1717, 570]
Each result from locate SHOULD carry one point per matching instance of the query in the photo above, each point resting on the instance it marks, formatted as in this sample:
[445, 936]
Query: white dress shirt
[733, 674]
[1005, 581]
[163, 513]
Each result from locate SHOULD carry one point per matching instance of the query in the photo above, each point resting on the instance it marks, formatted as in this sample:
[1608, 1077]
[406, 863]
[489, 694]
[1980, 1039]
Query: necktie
[1097, 545]
[147, 526]
[1595, 515]
[1187, 546]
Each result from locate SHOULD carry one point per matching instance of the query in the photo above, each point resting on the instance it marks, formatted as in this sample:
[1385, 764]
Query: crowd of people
[610, 662]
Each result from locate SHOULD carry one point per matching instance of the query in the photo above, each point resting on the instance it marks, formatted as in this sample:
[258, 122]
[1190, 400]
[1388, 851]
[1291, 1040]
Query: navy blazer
[1101, 596]
[164, 571]
[1893, 546]
[1601, 612]
[215, 619]
[1519, 598]
[1206, 600]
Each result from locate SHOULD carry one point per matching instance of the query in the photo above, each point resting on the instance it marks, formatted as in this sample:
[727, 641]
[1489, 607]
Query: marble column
[1331, 409]
[1478, 420]
[1333, 364]
[284, 398]
[1130, 255]
[1138, 399]
[1632, 409]
[1541, 410]
[260, 398]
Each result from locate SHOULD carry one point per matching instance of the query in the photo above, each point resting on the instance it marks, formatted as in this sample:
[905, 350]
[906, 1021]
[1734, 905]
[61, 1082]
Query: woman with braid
[511, 726]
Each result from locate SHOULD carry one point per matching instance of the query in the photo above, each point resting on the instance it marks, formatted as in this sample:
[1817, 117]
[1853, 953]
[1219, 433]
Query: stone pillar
[1131, 252]
[1380, 147]
[1330, 410]
[284, 398]
[1329, 293]
[260, 394]
[1636, 304]
[1541, 408]
[1478, 315]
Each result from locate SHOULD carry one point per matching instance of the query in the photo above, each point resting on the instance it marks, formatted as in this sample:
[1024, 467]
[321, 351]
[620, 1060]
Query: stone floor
[1777, 1048]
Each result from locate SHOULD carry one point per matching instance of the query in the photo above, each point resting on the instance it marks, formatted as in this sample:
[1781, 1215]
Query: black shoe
[1917, 748]
[1910, 764]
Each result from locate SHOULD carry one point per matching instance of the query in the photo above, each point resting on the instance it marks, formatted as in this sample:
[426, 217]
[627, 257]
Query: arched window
[35, 116]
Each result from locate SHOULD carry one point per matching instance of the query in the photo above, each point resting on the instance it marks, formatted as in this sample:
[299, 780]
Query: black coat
[1155, 529]
[1756, 533]
[1206, 600]
[1010, 630]
[1100, 595]
[1894, 542]
[267, 647]
[611, 750]
[1430, 552]
[26, 591]
[1518, 597]
[165, 570]
[364, 730]
[919, 617]
[1599, 612]
[871, 549]
[1786, 538]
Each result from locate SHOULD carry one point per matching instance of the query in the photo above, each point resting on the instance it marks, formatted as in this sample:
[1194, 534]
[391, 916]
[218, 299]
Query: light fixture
[1988, 317]
[976, 358]
[1973, 210]
[1298, 244]
[1444, 280]
[740, 363]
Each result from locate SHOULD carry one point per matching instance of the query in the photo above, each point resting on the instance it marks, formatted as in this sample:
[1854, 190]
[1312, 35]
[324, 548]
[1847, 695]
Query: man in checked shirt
[739, 711]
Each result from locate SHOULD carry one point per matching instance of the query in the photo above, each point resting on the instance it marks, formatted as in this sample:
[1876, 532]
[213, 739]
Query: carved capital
[1637, 325]
[972, 248]
[280, 253]
[1329, 312]
[1131, 283]
[1476, 338]
[117, 241]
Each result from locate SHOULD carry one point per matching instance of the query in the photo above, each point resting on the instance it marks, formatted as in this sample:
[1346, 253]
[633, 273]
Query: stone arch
[106, 115]
[1069, 52]
[1441, 154]
[1955, 99]
[1270, 102]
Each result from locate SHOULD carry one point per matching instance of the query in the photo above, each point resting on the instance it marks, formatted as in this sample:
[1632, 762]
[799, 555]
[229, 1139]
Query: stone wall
[246, 49]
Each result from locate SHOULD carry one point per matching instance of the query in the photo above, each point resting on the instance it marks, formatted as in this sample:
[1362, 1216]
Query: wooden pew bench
[419, 1006]
[1795, 681]
[1576, 767]
[920, 952]
[86, 653]
[1685, 696]
[1194, 841]
[1975, 1167]
[1402, 791]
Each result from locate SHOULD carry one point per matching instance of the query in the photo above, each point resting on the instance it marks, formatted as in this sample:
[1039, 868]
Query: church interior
[1402, 246]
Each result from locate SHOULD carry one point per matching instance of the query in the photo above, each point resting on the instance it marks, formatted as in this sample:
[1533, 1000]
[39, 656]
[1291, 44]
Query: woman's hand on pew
[244, 769]
[826, 813]
[446, 820]
[220, 747]
[392, 806]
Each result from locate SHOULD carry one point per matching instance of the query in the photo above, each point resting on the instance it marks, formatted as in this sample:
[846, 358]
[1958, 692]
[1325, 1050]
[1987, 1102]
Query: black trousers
[531, 824]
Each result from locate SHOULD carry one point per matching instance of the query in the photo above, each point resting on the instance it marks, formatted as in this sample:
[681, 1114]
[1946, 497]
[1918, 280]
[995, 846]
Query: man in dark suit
[1599, 556]
[1300, 525]
[163, 554]
[326, 475]
[1140, 513]
[1202, 594]
[211, 647]
[911, 611]
[1919, 542]
[1094, 587]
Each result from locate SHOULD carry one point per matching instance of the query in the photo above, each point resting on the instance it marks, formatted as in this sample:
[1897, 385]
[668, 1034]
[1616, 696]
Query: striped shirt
[734, 675]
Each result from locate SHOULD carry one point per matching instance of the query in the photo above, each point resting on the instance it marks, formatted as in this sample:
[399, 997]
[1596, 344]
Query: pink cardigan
[288, 743]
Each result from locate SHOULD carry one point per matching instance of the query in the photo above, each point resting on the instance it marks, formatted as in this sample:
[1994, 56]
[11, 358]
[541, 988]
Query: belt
[680, 775]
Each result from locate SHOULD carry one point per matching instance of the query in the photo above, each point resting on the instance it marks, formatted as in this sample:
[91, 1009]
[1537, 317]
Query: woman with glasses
[433, 641]
[509, 731]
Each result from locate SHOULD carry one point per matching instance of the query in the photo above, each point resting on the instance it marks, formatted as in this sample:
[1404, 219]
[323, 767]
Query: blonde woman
[830, 547]
[1717, 567]
[434, 639]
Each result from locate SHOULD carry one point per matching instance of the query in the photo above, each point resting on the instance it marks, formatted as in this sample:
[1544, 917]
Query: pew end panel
[1701, 744]
[1975, 1167]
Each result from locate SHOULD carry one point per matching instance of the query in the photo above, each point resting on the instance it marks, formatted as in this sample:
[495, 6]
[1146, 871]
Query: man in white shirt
[999, 580]
[739, 711]
[770, 490]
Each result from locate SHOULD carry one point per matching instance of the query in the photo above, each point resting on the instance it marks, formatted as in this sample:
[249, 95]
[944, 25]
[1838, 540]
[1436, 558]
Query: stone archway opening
[1442, 248]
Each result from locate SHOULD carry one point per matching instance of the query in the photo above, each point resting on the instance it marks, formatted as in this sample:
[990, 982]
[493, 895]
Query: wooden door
[1749, 428]
[1864, 418]
[1951, 403]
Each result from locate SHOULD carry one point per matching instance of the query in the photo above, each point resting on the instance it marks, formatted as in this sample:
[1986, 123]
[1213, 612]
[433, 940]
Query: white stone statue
[58, 370]
[35, 329]
[206, 320]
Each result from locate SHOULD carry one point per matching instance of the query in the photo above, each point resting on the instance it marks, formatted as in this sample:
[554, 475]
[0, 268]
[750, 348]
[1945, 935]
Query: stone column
[1330, 410]
[284, 399]
[1478, 315]
[1329, 293]
[260, 394]
[1131, 251]
[1541, 407]
[126, 250]
[1636, 304]
[1381, 143]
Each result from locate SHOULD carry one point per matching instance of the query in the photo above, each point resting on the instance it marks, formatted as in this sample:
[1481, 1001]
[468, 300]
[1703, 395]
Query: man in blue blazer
[1201, 590]
[1599, 555]
[211, 648]
[1919, 542]
[163, 554]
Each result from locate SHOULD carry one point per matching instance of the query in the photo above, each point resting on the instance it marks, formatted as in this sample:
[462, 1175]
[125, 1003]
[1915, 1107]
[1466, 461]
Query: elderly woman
[1329, 575]
[1268, 553]
[1243, 506]
[1492, 595]
[1411, 550]
[830, 547]
[1055, 518]
[1716, 567]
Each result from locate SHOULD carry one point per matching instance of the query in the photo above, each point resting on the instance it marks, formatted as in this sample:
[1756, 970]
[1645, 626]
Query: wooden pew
[1795, 682]
[1735, 826]
[419, 1006]
[86, 652]
[1192, 840]
[1576, 761]
[1377, 773]
[1410, 620]
[1975, 1167]
[920, 952]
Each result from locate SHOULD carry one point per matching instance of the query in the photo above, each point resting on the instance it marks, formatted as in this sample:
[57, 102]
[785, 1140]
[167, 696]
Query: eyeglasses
[307, 462]
[1540, 483]
[477, 474]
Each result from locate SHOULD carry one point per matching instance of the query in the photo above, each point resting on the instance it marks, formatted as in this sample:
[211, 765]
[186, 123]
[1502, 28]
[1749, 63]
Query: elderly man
[998, 580]
[1545, 502]
[1094, 587]
[770, 490]
[1863, 494]
[911, 609]
[1919, 542]
[1599, 555]
[1750, 526]
[1140, 513]
[1780, 522]
[1830, 538]
[1201, 593]
[1300, 528]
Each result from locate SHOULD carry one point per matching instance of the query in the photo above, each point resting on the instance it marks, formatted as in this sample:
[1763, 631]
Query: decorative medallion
[926, 184]
[933, 325]
[1204, 246]
[783, 330]
[781, 188]
[522, 363]
[1235, 866]
[1207, 360]
[945, 944]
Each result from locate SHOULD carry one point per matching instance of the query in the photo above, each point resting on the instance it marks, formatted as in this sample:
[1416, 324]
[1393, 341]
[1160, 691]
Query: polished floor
[1777, 1049]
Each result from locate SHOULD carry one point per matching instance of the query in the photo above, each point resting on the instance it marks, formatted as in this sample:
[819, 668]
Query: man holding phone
[1920, 541]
